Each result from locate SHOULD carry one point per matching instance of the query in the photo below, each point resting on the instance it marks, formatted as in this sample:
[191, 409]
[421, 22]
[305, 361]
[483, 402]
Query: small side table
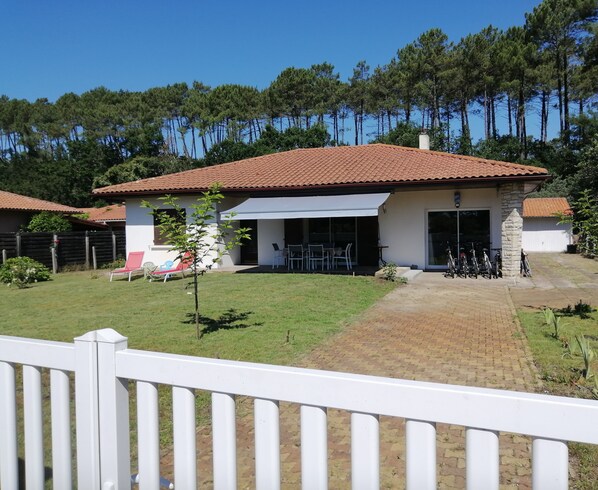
[381, 261]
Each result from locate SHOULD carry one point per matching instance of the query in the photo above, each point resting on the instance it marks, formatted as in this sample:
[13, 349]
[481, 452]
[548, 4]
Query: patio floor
[458, 331]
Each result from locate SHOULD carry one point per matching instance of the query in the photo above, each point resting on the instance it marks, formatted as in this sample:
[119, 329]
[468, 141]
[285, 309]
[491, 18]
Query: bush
[22, 271]
[48, 223]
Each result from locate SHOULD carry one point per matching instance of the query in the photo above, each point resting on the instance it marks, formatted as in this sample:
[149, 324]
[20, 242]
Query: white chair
[346, 256]
[279, 256]
[315, 255]
[295, 256]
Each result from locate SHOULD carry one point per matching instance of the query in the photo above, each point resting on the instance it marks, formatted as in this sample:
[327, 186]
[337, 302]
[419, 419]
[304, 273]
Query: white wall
[269, 231]
[545, 235]
[140, 230]
[404, 225]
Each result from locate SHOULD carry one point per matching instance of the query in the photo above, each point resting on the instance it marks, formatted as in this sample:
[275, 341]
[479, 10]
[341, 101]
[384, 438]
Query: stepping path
[457, 331]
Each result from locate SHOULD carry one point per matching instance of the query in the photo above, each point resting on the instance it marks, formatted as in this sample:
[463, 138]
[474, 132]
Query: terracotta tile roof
[544, 207]
[8, 200]
[115, 212]
[331, 167]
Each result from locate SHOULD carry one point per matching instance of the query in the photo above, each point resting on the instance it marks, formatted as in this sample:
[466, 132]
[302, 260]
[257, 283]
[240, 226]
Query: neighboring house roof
[333, 167]
[16, 202]
[115, 212]
[544, 207]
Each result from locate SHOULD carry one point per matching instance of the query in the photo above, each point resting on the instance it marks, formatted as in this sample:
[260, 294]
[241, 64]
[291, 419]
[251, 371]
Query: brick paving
[457, 331]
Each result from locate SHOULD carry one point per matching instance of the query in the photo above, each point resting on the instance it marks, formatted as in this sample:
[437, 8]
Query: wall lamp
[457, 198]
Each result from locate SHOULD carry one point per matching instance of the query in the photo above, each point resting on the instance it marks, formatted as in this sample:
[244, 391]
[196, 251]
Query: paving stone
[462, 332]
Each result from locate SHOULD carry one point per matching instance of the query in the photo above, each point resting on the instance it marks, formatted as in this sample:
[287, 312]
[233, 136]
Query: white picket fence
[103, 366]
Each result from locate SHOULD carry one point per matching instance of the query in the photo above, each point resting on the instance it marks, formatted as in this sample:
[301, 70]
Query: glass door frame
[448, 210]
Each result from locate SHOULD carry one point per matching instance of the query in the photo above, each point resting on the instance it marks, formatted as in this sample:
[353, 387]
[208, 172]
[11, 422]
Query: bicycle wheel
[487, 267]
[527, 270]
[475, 269]
[450, 271]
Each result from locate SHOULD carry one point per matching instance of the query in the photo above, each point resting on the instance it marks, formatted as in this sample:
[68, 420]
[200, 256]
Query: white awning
[307, 207]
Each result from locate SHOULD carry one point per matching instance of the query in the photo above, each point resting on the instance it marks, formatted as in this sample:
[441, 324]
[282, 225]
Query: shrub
[22, 271]
[389, 272]
[48, 222]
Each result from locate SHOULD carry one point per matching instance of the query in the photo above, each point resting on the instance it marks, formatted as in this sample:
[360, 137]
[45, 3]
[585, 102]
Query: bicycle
[474, 268]
[450, 262]
[497, 263]
[462, 267]
[524, 269]
[486, 264]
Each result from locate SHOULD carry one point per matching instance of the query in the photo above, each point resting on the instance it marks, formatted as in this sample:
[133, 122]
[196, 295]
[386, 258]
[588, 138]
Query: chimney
[424, 141]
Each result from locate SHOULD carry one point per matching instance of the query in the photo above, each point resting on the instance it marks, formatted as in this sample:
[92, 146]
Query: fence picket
[550, 464]
[148, 436]
[420, 449]
[365, 451]
[9, 463]
[185, 452]
[224, 441]
[267, 444]
[482, 459]
[61, 429]
[34, 435]
[314, 448]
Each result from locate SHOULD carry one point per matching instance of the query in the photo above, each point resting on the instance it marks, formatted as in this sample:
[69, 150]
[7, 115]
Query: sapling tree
[197, 233]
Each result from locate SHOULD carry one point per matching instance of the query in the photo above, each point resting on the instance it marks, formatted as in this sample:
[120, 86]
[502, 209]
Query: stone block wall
[511, 197]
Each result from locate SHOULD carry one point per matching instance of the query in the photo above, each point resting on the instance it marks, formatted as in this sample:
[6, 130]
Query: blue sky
[53, 47]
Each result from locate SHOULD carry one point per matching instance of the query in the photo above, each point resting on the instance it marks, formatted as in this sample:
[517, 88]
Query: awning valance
[307, 207]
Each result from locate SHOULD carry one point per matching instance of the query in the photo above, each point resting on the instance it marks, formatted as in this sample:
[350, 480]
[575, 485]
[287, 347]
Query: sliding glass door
[455, 229]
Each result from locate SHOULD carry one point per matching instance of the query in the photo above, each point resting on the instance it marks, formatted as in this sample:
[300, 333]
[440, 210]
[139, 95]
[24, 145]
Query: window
[159, 239]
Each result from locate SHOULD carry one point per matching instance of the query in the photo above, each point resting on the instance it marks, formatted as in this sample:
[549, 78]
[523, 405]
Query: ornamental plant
[22, 271]
[198, 234]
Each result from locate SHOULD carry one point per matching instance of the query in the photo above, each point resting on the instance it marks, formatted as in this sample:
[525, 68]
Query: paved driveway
[458, 331]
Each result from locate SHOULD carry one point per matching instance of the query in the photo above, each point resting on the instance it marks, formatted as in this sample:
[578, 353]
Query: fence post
[18, 239]
[4, 256]
[94, 258]
[53, 253]
[87, 411]
[113, 397]
[87, 249]
[113, 247]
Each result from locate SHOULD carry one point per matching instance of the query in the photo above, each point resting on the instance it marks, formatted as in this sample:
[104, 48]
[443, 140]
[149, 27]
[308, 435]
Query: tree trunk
[566, 96]
[509, 110]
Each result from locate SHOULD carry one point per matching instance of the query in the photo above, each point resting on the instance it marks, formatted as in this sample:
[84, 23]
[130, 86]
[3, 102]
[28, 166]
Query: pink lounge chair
[133, 264]
[183, 266]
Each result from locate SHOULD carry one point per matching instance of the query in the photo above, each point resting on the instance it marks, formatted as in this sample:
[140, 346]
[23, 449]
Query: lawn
[561, 372]
[266, 318]
[285, 315]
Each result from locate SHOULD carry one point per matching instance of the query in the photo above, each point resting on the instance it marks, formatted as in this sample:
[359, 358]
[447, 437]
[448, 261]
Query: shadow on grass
[229, 320]
[22, 483]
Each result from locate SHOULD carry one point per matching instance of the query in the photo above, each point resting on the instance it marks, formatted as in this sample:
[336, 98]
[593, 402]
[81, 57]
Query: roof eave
[408, 183]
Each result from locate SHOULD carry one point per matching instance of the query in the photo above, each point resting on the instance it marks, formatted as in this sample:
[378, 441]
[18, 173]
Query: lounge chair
[133, 264]
[183, 266]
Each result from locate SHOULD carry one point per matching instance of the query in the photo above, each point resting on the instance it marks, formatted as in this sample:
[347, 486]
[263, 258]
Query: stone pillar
[511, 200]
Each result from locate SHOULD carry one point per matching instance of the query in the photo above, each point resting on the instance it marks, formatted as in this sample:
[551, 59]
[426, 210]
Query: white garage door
[545, 235]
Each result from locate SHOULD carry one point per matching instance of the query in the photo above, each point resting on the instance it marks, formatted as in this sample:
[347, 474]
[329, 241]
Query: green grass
[287, 315]
[562, 375]
[154, 315]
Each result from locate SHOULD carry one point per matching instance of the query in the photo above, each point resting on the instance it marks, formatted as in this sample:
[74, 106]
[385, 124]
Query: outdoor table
[381, 261]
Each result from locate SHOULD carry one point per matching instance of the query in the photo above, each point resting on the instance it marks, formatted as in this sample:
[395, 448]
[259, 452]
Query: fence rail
[103, 366]
[71, 248]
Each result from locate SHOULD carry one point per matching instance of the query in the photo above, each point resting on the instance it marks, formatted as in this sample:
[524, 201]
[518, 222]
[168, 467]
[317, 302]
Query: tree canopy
[541, 74]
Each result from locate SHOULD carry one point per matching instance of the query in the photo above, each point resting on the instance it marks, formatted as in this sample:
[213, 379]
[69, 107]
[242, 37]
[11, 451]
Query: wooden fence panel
[8, 242]
[71, 247]
[37, 246]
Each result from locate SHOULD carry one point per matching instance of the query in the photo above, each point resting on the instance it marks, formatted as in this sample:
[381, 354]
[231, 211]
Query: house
[16, 210]
[542, 227]
[113, 216]
[410, 201]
